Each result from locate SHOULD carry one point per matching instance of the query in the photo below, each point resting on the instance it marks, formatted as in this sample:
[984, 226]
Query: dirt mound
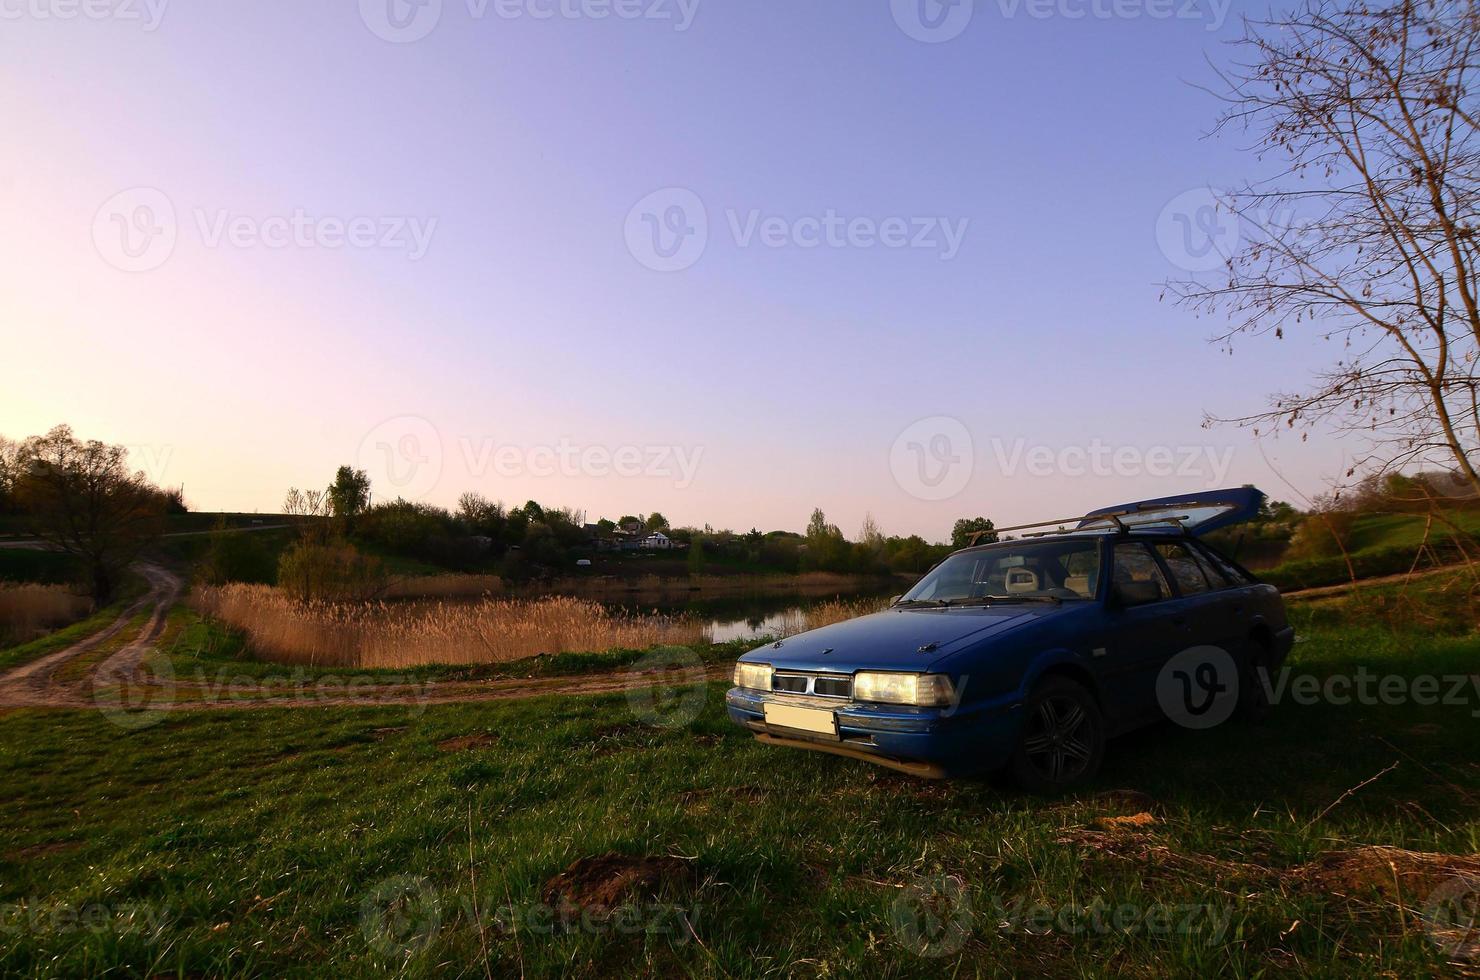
[1394, 873]
[598, 885]
[463, 743]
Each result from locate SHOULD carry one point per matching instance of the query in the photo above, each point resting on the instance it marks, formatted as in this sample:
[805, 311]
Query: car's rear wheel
[1063, 738]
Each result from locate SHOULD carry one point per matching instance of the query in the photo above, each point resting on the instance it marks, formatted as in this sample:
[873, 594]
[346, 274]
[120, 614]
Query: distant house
[657, 541]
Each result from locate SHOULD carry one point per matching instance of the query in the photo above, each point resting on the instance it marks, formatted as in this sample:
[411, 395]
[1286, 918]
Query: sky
[728, 261]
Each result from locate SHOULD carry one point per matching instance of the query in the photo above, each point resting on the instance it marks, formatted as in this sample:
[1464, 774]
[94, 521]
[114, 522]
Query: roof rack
[1086, 523]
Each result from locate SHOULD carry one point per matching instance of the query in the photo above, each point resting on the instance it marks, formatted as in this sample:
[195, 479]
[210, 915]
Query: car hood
[892, 639]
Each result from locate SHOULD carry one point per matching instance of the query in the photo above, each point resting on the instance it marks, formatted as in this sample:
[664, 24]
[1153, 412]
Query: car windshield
[1014, 571]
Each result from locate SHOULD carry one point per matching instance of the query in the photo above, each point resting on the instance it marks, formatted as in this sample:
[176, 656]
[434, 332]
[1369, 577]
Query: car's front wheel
[1063, 738]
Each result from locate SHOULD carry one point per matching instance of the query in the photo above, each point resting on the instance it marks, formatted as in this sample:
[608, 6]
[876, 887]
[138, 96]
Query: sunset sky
[254, 241]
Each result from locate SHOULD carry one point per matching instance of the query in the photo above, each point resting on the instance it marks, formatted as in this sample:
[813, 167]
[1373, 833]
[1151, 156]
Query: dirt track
[128, 680]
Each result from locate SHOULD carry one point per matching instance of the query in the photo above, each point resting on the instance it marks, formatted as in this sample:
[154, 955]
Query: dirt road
[128, 680]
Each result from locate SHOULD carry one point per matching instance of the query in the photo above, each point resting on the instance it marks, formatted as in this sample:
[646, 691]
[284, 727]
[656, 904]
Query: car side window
[1212, 572]
[1183, 565]
[1138, 579]
[1223, 565]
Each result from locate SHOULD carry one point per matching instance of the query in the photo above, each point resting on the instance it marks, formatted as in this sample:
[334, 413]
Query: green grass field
[419, 840]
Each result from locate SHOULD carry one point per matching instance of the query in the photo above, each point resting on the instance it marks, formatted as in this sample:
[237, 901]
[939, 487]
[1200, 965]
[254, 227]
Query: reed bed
[642, 589]
[28, 610]
[795, 621]
[411, 633]
[450, 586]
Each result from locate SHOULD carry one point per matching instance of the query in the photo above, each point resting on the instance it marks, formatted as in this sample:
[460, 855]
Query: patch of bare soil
[463, 743]
[596, 886]
[41, 850]
[1398, 875]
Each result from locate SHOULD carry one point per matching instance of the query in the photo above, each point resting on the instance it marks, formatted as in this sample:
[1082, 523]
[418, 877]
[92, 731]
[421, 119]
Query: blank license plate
[819, 720]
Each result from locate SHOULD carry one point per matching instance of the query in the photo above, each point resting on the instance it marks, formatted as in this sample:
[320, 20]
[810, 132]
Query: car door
[1141, 633]
[1208, 613]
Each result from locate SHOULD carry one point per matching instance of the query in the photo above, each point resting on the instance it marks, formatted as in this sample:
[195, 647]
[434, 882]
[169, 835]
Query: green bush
[1394, 560]
[335, 572]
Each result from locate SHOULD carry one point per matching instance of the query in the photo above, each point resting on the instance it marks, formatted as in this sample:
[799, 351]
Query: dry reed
[29, 610]
[408, 634]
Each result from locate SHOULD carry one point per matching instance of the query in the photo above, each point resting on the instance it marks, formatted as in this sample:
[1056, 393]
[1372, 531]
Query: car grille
[819, 685]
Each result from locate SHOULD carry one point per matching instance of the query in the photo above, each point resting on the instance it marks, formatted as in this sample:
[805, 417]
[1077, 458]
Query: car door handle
[1179, 620]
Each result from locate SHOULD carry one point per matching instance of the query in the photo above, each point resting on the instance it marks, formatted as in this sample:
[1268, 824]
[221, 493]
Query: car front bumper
[931, 742]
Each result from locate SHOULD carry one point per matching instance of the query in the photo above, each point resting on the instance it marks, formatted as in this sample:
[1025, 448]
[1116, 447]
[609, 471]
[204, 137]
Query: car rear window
[1186, 571]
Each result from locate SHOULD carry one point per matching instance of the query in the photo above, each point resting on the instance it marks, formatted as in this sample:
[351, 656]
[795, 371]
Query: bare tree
[1365, 231]
[82, 499]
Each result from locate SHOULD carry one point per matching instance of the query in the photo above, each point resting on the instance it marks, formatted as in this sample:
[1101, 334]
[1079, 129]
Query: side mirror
[895, 598]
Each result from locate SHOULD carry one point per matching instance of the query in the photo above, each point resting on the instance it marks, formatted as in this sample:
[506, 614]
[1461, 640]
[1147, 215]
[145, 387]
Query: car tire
[1254, 682]
[1062, 741]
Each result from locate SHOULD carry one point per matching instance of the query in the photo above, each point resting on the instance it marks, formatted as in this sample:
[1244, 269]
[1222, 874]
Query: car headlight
[756, 677]
[925, 690]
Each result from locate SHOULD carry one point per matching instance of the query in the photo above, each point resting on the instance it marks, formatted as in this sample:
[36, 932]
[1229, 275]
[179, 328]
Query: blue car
[1027, 654]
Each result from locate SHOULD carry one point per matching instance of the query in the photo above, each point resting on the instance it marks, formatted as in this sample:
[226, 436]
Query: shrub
[333, 572]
